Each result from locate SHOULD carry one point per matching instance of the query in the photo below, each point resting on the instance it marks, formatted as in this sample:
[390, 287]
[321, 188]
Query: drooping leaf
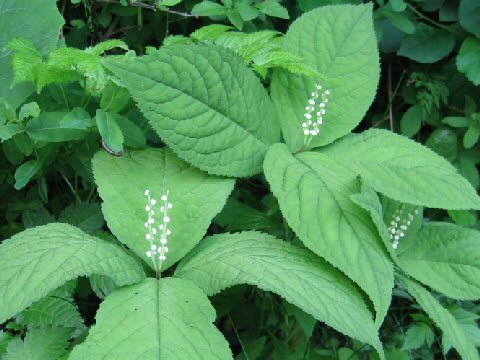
[153, 320]
[313, 192]
[196, 197]
[445, 257]
[40, 22]
[39, 260]
[468, 59]
[338, 42]
[297, 275]
[404, 170]
[46, 343]
[442, 318]
[205, 104]
[427, 45]
[109, 130]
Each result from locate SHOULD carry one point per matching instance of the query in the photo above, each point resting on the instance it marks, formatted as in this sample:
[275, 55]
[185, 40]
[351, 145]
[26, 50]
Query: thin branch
[152, 8]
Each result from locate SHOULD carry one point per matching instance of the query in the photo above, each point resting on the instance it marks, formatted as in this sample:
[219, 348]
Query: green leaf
[49, 126]
[109, 130]
[196, 197]
[234, 17]
[39, 22]
[5, 338]
[29, 110]
[146, 321]
[47, 343]
[272, 8]
[469, 16]
[105, 46]
[417, 335]
[170, 2]
[463, 217]
[456, 121]
[404, 170]
[208, 8]
[205, 104]
[468, 59]
[247, 12]
[313, 192]
[209, 32]
[7, 131]
[134, 137]
[427, 45]
[114, 98]
[296, 274]
[471, 135]
[442, 318]
[339, 43]
[86, 216]
[444, 142]
[25, 172]
[39, 260]
[411, 121]
[445, 257]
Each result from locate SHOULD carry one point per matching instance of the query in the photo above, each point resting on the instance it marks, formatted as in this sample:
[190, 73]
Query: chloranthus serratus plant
[218, 123]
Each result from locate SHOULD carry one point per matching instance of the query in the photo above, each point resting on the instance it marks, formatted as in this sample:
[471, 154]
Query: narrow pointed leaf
[196, 197]
[338, 42]
[169, 319]
[314, 192]
[445, 257]
[404, 170]
[39, 260]
[457, 337]
[298, 275]
[205, 104]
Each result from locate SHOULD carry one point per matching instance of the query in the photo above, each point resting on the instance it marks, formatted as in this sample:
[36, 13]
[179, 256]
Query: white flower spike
[158, 248]
[317, 105]
[397, 231]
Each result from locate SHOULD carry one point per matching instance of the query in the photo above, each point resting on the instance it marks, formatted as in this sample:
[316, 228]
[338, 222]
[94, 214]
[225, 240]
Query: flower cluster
[398, 226]
[315, 110]
[157, 236]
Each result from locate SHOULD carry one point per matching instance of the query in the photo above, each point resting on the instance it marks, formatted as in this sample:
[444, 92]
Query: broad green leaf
[196, 197]
[313, 192]
[339, 43]
[46, 343]
[469, 16]
[404, 170]
[247, 12]
[272, 8]
[49, 126]
[38, 21]
[427, 45]
[109, 130]
[205, 104]
[296, 274]
[446, 258]
[39, 260]
[442, 318]
[86, 216]
[209, 8]
[153, 320]
[468, 59]
[133, 136]
[234, 17]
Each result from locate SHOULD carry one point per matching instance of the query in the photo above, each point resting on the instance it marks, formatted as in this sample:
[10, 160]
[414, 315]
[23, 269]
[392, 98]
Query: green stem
[64, 96]
[433, 22]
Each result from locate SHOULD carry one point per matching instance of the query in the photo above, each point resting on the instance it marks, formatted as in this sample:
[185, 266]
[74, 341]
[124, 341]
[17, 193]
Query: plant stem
[433, 22]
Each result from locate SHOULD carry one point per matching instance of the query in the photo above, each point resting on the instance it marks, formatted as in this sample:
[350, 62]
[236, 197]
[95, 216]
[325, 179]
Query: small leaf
[445, 257]
[442, 318]
[109, 130]
[247, 12]
[416, 336]
[299, 276]
[49, 127]
[471, 135]
[411, 121]
[272, 8]
[9, 130]
[456, 122]
[209, 32]
[25, 172]
[208, 8]
[468, 59]
[39, 260]
[234, 17]
[134, 137]
[427, 45]
[29, 110]
[146, 321]
[86, 216]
